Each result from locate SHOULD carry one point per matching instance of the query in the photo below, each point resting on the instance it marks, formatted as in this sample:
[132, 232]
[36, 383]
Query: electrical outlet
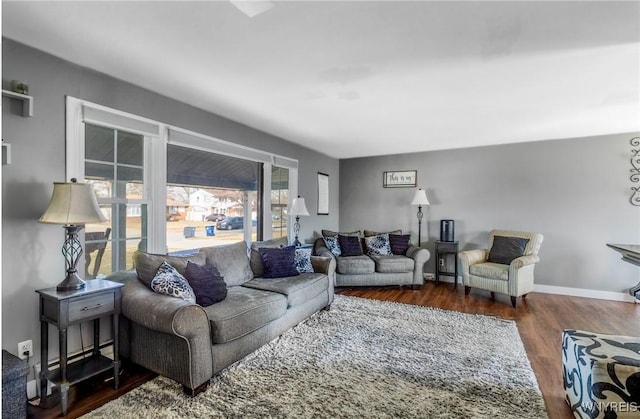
[25, 349]
[442, 262]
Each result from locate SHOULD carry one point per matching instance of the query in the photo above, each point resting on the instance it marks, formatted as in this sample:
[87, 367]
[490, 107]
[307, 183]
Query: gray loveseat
[190, 343]
[375, 270]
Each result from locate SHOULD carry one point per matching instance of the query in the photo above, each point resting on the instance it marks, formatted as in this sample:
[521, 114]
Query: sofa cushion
[505, 249]
[303, 260]
[393, 263]
[170, 282]
[370, 233]
[349, 245]
[232, 261]
[298, 289]
[278, 262]
[255, 260]
[329, 233]
[206, 282]
[147, 264]
[378, 245]
[333, 245]
[243, 311]
[490, 270]
[399, 243]
[354, 265]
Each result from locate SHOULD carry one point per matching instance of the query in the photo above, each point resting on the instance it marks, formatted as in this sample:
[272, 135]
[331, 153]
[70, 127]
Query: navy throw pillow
[506, 249]
[207, 283]
[278, 262]
[350, 245]
[399, 243]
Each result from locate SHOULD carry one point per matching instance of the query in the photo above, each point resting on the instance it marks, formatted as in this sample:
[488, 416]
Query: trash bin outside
[211, 230]
[189, 232]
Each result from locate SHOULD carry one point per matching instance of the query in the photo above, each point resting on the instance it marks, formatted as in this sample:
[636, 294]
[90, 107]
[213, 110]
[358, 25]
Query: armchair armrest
[523, 261]
[420, 257]
[163, 313]
[471, 257]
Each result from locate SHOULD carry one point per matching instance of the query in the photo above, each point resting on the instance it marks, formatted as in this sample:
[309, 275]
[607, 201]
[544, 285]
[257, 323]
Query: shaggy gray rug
[363, 358]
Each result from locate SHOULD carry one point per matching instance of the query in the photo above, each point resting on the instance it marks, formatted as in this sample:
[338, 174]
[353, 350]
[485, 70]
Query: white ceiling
[366, 78]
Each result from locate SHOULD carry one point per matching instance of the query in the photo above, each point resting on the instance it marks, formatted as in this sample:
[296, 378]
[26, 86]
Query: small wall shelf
[27, 101]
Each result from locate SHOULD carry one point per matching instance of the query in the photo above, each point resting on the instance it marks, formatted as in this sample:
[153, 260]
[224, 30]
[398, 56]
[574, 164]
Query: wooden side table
[99, 298]
[443, 249]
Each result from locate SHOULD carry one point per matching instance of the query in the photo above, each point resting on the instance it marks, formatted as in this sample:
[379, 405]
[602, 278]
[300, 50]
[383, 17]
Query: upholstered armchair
[506, 266]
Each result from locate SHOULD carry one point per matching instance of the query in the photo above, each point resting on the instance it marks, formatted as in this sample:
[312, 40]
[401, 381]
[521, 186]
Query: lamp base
[71, 282]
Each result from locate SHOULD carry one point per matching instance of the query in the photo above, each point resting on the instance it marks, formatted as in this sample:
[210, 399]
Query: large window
[211, 199]
[114, 164]
[166, 189]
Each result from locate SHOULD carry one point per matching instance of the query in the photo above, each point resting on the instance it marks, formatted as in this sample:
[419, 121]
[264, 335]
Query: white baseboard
[552, 289]
[581, 292]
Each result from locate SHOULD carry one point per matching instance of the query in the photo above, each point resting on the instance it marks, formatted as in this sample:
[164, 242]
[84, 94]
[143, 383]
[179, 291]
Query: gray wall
[30, 250]
[575, 191]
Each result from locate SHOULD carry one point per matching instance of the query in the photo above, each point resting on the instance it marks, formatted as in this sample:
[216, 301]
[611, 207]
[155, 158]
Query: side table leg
[44, 360]
[116, 351]
[64, 398]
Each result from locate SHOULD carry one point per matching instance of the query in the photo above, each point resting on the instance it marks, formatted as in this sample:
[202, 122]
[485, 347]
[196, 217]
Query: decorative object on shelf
[20, 87]
[73, 205]
[400, 179]
[323, 194]
[420, 199]
[635, 171]
[298, 208]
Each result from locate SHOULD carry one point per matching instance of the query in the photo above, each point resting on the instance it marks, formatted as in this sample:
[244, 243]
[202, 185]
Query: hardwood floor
[540, 319]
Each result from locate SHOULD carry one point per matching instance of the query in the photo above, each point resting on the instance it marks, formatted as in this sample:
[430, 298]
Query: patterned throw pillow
[169, 281]
[333, 245]
[399, 243]
[350, 245]
[378, 245]
[303, 260]
[278, 262]
[206, 282]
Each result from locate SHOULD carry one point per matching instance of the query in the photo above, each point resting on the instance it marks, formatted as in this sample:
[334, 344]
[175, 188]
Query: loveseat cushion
[393, 263]
[490, 270]
[243, 311]
[355, 265]
[232, 261]
[298, 289]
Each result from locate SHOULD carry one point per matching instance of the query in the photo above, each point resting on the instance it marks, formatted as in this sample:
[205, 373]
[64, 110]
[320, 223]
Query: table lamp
[298, 208]
[73, 205]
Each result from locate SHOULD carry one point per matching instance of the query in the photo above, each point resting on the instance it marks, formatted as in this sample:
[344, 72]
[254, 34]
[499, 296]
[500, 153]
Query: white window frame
[157, 136]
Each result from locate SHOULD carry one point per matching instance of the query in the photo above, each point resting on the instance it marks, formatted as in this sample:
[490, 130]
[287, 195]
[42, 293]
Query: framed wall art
[323, 194]
[400, 179]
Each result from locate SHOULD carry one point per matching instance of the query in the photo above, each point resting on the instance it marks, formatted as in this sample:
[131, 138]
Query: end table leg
[64, 398]
[44, 359]
[116, 351]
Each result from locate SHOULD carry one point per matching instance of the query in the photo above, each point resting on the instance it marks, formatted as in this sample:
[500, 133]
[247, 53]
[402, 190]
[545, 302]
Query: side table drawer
[91, 306]
[443, 247]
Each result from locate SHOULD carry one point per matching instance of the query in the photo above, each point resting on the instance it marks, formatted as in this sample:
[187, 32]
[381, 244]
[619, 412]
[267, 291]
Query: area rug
[363, 358]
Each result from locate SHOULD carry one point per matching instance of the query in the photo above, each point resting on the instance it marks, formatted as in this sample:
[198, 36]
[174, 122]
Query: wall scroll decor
[323, 194]
[635, 171]
[400, 179]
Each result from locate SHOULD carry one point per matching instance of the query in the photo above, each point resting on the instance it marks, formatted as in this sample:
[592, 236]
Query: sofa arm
[163, 313]
[468, 258]
[420, 257]
[323, 264]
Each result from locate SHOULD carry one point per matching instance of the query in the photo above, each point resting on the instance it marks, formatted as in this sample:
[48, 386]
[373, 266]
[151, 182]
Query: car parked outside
[215, 217]
[230, 223]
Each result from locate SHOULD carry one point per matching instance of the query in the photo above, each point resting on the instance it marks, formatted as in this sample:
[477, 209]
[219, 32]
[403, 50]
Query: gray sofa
[375, 270]
[190, 343]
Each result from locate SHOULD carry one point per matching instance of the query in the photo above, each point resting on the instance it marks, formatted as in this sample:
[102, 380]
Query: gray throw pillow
[329, 233]
[232, 261]
[370, 233]
[147, 264]
[506, 249]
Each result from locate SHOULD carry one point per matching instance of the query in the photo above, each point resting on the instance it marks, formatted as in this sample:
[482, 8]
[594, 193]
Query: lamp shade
[420, 198]
[298, 207]
[72, 203]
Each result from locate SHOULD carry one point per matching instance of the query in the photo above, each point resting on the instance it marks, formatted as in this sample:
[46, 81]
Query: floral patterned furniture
[601, 374]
